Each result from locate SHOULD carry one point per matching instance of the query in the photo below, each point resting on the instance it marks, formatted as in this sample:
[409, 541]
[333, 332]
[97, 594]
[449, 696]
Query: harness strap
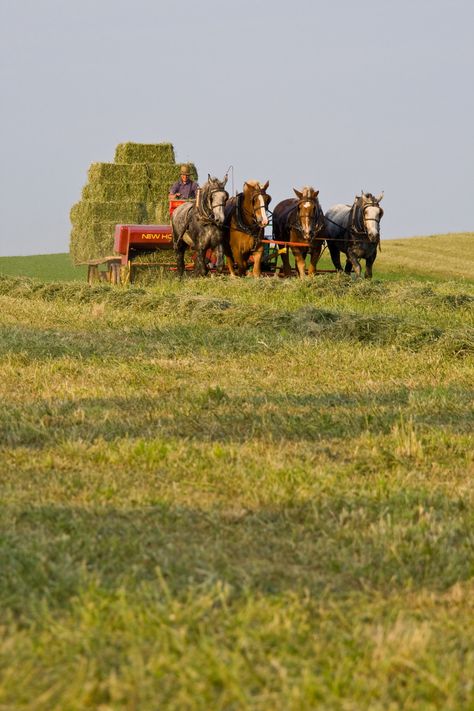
[254, 229]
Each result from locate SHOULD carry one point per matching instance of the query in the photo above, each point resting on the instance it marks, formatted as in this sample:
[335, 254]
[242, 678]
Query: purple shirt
[186, 190]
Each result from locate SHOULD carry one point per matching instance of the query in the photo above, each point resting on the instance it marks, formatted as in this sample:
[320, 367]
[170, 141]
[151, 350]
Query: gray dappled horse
[355, 230]
[301, 220]
[198, 224]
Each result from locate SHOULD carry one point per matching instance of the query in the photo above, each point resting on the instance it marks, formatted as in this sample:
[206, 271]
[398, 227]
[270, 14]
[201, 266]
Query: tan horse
[244, 225]
[300, 219]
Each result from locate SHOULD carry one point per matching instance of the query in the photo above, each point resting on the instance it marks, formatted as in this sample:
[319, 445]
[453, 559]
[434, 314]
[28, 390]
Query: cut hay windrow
[133, 190]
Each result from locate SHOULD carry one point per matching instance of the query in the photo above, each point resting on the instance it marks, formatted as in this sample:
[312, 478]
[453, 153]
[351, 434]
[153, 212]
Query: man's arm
[174, 191]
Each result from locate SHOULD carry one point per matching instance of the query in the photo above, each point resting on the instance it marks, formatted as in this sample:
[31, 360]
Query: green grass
[422, 258]
[47, 267]
[241, 494]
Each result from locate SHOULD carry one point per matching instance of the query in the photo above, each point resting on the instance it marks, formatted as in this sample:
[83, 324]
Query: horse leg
[286, 262]
[257, 262]
[335, 253]
[368, 266]
[200, 263]
[242, 265]
[219, 252]
[179, 251]
[352, 263]
[314, 259]
[229, 254]
[299, 261]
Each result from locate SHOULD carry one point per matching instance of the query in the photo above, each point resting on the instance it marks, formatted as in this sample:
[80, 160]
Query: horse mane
[213, 182]
[253, 184]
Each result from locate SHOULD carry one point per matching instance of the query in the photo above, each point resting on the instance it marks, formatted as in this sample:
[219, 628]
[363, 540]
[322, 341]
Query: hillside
[240, 494]
[46, 267]
[436, 257]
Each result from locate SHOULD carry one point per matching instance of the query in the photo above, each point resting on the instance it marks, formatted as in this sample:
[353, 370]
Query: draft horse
[198, 224]
[355, 230]
[300, 219]
[244, 227]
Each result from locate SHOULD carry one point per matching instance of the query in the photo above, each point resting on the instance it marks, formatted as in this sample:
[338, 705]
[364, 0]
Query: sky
[341, 95]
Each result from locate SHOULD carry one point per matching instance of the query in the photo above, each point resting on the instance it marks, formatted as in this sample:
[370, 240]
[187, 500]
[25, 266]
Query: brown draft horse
[300, 219]
[244, 225]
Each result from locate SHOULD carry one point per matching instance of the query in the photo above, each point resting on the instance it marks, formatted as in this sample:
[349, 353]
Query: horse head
[309, 211]
[256, 194]
[215, 197]
[371, 214]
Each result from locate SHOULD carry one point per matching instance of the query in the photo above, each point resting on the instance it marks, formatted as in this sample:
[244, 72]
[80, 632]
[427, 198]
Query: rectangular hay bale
[87, 211]
[117, 172]
[92, 241]
[144, 153]
[136, 191]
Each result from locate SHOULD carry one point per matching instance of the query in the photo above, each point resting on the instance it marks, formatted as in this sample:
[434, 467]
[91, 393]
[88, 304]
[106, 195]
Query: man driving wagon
[184, 188]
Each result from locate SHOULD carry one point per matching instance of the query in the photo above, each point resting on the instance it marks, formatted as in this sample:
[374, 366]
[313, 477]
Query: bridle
[316, 224]
[256, 208]
[254, 228]
[358, 220]
[206, 210]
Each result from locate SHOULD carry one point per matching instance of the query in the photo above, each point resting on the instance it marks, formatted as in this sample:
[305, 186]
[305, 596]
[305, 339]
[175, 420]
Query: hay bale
[160, 172]
[87, 211]
[92, 241]
[133, 190]
[116, 192]
[158, 211]
[117, 172]
[144, 153]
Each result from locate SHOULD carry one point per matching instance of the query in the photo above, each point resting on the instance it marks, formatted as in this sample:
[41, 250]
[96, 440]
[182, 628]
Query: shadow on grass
[336, 544]
[213, 416]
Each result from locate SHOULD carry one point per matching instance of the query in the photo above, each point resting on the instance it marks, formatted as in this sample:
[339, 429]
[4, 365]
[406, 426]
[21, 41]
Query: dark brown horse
[244, 225]
[300, 219]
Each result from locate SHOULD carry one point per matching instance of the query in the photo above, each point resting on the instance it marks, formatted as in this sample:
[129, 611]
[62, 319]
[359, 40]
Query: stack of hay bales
[132, 190]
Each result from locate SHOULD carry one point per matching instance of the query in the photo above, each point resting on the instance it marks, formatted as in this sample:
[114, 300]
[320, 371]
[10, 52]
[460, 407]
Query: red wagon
[133, 243]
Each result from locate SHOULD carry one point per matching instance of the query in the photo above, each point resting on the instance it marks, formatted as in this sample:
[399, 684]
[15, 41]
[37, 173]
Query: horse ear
[379, 197]
[266, 185]
[208, 176]
[298, 194]
[316, 193]
[224, 182]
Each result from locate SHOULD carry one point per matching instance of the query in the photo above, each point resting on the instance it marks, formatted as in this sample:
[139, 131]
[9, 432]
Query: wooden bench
[110, 275]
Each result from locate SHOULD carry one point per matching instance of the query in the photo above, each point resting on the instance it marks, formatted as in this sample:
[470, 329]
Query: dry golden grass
[443, 256]
[241, 494]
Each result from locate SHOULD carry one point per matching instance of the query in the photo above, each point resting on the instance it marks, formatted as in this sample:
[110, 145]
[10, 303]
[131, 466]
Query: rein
[254, 230]
[205, 211]
[356, 227]
[316, 223]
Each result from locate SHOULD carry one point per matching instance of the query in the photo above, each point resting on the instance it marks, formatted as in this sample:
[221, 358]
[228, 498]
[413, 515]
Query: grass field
[240, 494]
[47, 267]
[434, 258]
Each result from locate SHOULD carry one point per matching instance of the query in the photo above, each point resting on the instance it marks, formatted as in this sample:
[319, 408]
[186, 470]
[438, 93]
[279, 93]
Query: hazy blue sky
[337, 94]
